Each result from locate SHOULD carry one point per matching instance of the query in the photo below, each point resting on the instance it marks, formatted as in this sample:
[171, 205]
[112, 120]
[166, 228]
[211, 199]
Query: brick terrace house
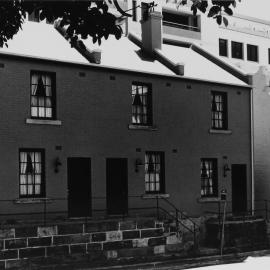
[241, 48]
[149, 121]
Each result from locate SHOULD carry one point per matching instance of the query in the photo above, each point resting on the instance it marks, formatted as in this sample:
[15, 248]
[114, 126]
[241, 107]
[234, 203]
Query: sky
[254, 8]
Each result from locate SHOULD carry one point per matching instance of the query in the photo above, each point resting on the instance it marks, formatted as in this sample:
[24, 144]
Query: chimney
[151, 23]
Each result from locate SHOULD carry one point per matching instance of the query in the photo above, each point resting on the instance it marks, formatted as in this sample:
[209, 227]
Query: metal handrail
[182, 26]
[181, 212]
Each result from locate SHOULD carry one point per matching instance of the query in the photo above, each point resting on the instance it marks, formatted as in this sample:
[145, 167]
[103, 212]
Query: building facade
[112, 138]
[243, 48]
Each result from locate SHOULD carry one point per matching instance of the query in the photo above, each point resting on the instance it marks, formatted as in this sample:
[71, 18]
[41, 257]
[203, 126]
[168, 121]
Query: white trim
[155, 196]
[43, 122]
[32, 200]
[209, 199]
[142, 127]
[220, 131]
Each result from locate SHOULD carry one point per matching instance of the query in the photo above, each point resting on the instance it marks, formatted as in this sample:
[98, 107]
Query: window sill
[208, 199]
[43, 122]
[32, 200]
[142, 127]
[220, 131]
[154, 196]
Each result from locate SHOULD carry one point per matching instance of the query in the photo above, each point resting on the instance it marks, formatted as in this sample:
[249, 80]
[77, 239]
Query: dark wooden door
[117, 186]
[79, 187]
[239, 188]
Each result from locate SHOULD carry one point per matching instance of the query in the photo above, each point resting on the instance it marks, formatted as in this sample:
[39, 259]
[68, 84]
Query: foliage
[217, 7]
[81, 18]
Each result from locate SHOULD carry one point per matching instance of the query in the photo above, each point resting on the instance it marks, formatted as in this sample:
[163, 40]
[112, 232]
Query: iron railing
[50, 210]
[182, 26]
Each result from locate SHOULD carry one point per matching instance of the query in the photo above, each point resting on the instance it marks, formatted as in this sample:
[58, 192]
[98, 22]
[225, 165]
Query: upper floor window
[43, 95]
[219, 110]
[141, 104]
[209, 177]
[252, 53]
[237, 50]
[154, 172]
[31, 171]
[183, 21]
[223, 47]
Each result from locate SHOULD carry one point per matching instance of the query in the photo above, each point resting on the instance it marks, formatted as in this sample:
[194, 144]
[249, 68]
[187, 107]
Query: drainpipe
[251, 79]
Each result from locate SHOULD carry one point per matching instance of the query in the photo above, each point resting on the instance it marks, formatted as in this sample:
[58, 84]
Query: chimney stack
[151, 23]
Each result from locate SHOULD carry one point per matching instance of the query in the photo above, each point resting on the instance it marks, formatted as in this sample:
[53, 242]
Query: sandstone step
[98, 240]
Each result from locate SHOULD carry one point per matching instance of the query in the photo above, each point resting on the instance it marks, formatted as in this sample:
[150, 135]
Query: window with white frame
[141, 104]
[209, 177]
[31, 173]
[43, 103]
[154, 172]
[219, 110]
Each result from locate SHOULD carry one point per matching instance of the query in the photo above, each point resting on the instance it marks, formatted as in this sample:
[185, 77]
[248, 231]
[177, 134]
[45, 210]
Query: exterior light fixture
[226, 169]
[138, 162]
[57, 163]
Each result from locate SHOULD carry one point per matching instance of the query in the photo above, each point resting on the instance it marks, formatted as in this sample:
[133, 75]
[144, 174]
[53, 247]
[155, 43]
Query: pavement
[237, 261]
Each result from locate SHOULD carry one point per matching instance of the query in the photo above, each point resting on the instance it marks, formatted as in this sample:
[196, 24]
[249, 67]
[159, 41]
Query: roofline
[252, 19]
[246, 78]
[114, 69]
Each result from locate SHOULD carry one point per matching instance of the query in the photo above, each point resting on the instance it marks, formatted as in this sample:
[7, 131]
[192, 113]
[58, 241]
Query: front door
[239, 188]
[117, 186]
[79, 187]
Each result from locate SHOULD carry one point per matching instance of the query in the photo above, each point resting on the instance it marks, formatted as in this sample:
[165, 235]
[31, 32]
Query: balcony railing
[182, 26]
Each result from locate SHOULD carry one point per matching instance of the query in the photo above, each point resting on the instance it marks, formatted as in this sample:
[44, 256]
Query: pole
[223, 228]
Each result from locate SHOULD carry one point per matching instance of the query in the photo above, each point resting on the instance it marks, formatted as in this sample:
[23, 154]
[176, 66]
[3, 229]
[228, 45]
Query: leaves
[215, 12]
[81, 19]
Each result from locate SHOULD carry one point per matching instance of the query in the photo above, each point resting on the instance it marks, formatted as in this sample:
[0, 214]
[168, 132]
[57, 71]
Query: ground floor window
[209, 177]
[154, 172]
[31, 171]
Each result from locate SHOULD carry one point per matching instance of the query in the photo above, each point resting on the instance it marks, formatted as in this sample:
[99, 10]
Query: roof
[124, 54]
[43, 41]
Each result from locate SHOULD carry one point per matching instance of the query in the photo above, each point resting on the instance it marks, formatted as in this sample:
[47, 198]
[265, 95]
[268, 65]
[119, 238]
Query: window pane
[153, 172]
[252, 52]
[31, 173]
[219, 110]
[223, 47]
[140, 105]
[42, 105]
[237, 50]
[208, 177]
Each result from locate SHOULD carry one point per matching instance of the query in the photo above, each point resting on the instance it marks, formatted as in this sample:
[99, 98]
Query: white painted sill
[142, 127]
[43, 122]
[155, 196]
[209, 199]
[32, 200]
[220, 131]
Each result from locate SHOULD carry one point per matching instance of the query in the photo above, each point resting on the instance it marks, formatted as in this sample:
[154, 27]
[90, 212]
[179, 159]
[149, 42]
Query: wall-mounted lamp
[226, 169]
[57, 163]
[138, 162]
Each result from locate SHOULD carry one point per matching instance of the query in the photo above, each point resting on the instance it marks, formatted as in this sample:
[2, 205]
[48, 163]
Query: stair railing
[178, 217]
